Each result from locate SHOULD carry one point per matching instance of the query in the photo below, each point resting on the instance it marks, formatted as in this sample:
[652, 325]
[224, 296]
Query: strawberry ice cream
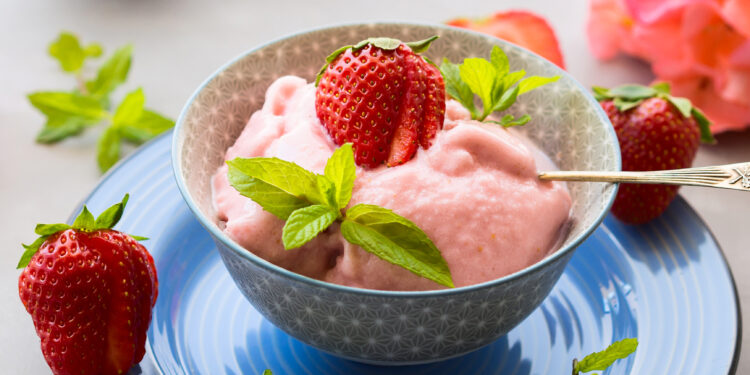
[474, 193]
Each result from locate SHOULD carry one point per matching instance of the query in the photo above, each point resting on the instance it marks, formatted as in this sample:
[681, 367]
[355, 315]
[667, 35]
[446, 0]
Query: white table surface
[177, 45]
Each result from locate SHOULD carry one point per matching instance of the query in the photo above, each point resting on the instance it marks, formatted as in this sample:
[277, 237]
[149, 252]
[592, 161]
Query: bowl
[388, 327]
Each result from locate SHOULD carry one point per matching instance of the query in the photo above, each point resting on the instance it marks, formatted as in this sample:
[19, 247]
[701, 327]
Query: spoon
[729, 176]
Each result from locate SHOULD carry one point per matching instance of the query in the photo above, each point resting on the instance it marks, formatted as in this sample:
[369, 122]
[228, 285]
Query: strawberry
[519, 27]
[656, 131]
[383, 97]
[90, 290]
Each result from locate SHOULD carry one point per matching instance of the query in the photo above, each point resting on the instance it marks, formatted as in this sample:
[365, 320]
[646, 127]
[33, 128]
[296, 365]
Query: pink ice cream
[474, 193]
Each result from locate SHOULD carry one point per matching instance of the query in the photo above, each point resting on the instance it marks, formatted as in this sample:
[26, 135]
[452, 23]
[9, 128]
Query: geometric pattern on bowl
[392, 327]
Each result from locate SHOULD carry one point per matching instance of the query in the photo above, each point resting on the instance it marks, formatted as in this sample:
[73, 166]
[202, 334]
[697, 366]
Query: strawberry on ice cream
[474, 192]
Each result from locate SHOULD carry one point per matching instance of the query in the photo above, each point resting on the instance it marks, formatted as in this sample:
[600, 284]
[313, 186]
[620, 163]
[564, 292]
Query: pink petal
[725, 115]
[607, 26]
[650, 11]
[737, 14]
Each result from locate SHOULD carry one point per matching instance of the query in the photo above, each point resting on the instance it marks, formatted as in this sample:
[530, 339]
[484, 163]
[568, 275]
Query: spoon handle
[730, 176]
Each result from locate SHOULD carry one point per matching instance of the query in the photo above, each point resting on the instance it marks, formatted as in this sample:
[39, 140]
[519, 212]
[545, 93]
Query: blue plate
[666, 283]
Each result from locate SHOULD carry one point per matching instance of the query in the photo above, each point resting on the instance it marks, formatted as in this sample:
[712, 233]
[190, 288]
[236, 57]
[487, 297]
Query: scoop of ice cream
[474, 193]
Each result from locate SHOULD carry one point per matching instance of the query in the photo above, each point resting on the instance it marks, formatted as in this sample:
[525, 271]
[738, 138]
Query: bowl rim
[216, 233]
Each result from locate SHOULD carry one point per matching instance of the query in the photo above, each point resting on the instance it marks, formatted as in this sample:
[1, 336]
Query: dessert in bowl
[387, 326]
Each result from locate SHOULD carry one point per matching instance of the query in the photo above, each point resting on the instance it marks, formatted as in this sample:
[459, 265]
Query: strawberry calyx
[84, 222]
[388, 44]
[626, 97]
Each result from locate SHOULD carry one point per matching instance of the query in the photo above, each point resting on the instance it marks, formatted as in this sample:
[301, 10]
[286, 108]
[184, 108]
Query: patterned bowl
[387, 327]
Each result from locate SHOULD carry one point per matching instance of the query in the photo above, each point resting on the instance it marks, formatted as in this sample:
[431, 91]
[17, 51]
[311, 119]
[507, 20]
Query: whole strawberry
[383, 97]
[656, 131]
[89, 290]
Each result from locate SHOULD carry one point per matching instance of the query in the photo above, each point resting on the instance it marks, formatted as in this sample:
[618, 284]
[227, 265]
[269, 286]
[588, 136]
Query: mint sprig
[69, 113]
[626, 97]
[84, 222]
[310, 203]
[605, 358]
[493, 82]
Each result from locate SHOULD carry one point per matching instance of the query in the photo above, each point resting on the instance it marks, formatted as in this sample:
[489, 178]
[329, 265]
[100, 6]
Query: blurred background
[177, 44]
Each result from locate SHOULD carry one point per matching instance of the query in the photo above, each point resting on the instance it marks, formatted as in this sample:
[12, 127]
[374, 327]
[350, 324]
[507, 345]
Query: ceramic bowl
[386, 327]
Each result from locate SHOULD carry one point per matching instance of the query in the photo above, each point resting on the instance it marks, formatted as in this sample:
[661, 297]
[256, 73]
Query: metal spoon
[730, 176]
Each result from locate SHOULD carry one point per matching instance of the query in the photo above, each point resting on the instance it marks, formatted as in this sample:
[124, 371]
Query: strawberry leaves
[69, 113]
[84, 222]
[493, 82]
[310, 203]
[629, 96]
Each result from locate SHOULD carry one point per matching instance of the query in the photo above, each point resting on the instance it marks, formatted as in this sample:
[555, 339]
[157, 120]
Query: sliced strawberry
[434, 104]
[519, 27]
[411, 110]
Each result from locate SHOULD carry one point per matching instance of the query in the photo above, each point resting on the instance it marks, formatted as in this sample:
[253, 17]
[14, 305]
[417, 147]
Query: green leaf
[502, 83]
[623, 105]
[509, 121]
[421, 45]
[267, 372]
[682, 104]
[130, 109]
[396, 240]
[661, 87]
[286, 176]
[506, 100]
[47, 229]
[85, 220]
[341, 170]
[479, 75]
[58, 129]
[112, 215]
[457, 88]
[61, 105]
[67, 50]
[305, 223]
[138, 238]
[93, 50]
[704, 125]
[499, 60]
[632, 92]
[383, 43]
[601, 93]
[149, 125]
[273, 199]
[112, 73]
[30, 251]
[602, 360]
[108, 149]
[533, 82]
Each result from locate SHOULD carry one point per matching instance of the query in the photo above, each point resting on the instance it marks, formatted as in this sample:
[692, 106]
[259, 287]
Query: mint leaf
[632, 92]
[112, 215]
[130, 108]
[57, 129]
[112, 73]
[85, 220]
[108, 149]
[457, 88]
[479, 76]
[602, 360]
[149, 125]
[30, 251]
[533, 82]
[499, 60]
[396, 240]
[67, 50]
[286, 176]
[305, 223]
[273, 199]
[506, 100]
[60, 105]
[138, 238]
[47, 229]
[340, 170]
[508, 121]
[267, 372]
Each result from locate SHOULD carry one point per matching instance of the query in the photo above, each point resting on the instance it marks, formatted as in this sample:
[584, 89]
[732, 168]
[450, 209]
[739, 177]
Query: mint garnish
[69, 113]
[84, 222]
[605, 358]
[310, 203]
[493, 82]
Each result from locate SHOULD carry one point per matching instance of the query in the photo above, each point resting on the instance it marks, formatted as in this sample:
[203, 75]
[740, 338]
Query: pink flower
[702, 47]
